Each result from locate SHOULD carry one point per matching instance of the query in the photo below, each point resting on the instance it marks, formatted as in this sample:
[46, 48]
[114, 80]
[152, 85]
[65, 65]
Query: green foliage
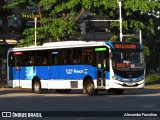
[60, 29]
[3, 11]
[114, 38]
[139, 15]
[29, 37]
[59, 18]
[145, 47]
[147, 51]
[153, 79]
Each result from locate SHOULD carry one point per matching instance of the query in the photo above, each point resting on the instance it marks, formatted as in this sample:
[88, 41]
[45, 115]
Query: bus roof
[74, 43]
[71, 44]
[62, 44]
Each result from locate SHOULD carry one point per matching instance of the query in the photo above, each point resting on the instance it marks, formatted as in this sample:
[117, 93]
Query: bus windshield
[128, 60]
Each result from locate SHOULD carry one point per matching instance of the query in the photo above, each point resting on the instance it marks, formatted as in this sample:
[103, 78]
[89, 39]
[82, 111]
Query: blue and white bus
[67, 65]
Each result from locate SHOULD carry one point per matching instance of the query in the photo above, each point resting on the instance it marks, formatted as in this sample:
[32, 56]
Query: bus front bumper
[125, 85]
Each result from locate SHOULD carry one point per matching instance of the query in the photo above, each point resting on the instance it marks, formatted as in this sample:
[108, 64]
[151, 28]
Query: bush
[153, 79]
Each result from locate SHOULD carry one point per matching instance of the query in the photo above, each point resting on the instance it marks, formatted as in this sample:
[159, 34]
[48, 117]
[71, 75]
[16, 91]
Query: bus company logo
[69, 71]
[78, 71]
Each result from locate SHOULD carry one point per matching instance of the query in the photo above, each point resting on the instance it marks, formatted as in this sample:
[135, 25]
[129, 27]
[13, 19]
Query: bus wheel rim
[36, 86]
[89, 87]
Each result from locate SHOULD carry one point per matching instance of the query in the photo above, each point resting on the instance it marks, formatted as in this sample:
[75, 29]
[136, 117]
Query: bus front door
[101, 69]
[100, 79]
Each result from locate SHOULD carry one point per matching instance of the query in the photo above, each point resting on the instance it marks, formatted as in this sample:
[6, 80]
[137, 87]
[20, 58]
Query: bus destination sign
[17, 53]
[125, 46]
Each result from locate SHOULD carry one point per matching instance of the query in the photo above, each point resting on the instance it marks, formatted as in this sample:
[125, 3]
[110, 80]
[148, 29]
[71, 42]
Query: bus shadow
[141, 91]
[80, 92]
[102, 93]
[134, 92]
[4, 91]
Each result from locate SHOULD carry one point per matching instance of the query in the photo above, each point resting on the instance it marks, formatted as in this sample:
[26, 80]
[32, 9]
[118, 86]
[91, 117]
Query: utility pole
[35, 30]
[120, 19]
[140, 36]
[35, 33]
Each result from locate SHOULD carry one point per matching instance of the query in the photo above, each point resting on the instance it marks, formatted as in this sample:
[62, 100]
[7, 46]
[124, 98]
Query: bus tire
[37, 87]
[89, 88]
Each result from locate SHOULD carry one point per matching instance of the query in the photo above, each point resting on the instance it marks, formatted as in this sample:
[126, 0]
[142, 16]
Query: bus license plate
[130, 84]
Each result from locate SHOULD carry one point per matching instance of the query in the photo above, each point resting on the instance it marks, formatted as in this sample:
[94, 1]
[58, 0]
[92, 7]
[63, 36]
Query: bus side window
[87, 55]
[54, 59]
[11, 59]
[45, 57]
[66, 56]
[44, 61]
[18, 62]
[65, 61]
[77, 53]
[42, 57]
[32, 60]
[69, 56]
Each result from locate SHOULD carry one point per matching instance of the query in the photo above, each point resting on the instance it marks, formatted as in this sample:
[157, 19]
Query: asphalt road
[134, 101]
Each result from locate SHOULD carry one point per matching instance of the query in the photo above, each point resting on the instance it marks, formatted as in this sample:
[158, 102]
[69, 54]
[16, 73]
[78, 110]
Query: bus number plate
[130, 84]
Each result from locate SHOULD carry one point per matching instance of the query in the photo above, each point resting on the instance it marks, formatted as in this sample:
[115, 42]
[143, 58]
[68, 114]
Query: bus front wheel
[89, 87]
[37, 87]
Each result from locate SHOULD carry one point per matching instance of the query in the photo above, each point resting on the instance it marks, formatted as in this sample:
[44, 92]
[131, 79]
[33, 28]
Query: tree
[59, 26]
[4, 12]
[59, 18]
[2, 3]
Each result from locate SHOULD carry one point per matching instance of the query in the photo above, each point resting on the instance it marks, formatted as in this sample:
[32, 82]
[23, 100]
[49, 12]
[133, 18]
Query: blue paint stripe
[129, 79]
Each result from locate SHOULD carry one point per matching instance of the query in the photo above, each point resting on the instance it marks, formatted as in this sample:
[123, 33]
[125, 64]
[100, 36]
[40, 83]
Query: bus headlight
[141, 78]
[115, 78]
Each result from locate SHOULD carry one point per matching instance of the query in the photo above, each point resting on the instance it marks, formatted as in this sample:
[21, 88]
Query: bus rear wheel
[89, 87]
[37, 87]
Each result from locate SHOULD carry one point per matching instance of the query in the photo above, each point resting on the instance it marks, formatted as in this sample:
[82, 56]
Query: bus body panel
[55, 77]
[54, 72]
[17, 74]
[77, 72]
[58, 75]
[42, 72]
